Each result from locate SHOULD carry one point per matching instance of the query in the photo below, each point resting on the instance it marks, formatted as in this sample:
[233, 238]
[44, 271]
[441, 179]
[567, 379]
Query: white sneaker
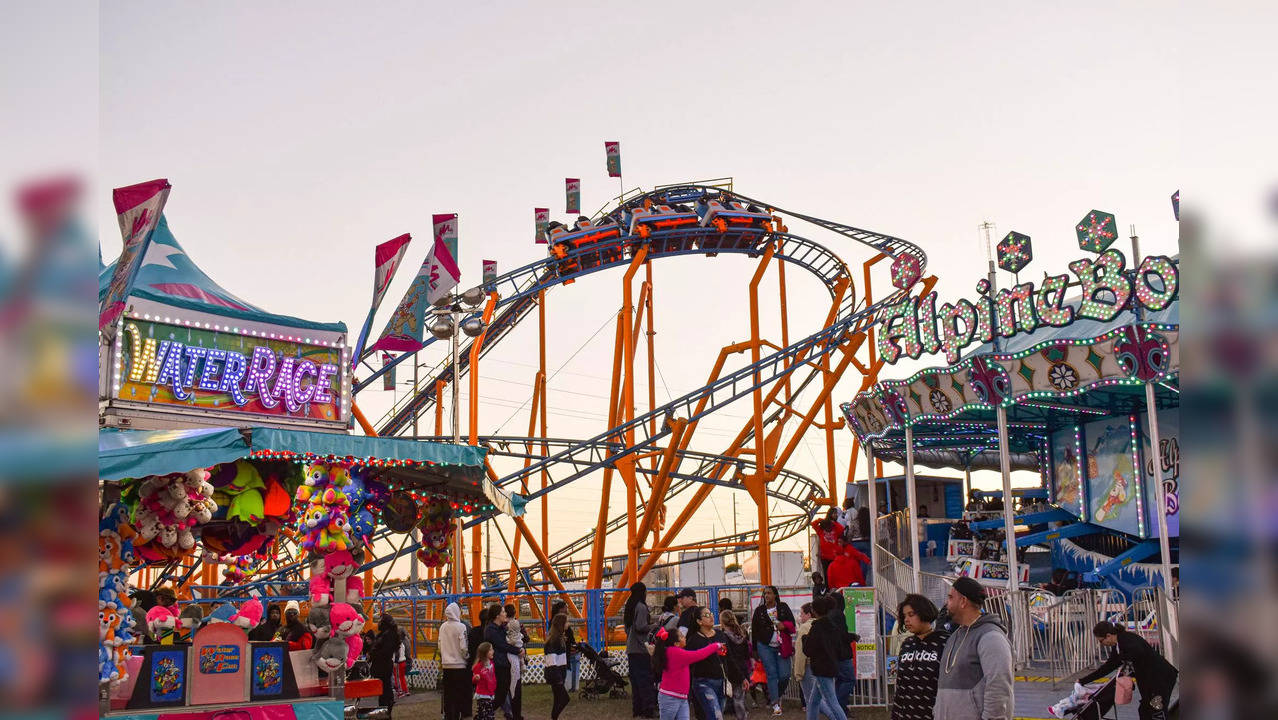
[776, 710]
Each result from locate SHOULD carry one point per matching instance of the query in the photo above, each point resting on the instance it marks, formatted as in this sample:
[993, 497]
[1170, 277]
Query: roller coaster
[789, 383]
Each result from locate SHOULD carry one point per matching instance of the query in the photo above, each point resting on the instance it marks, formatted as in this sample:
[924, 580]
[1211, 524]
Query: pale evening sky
[299, 135]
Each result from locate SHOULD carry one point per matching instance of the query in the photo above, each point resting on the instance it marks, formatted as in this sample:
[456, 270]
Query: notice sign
[219, 659]
[858, 604]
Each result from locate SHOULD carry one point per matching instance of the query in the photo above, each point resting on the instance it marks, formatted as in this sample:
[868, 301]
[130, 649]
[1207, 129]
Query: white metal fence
[1051, 634]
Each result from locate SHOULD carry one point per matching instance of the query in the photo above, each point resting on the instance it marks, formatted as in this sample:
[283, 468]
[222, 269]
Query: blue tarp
[137, 453]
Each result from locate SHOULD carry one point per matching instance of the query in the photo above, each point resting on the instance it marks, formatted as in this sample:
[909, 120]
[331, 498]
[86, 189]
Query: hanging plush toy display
[168, 513]
[366, 497]
[236, 568]
[115, 619]
[324, 523]
[437, 532]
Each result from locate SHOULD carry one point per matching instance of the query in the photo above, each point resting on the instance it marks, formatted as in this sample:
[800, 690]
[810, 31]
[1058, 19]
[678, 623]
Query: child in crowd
[484, 678]
[670, 661]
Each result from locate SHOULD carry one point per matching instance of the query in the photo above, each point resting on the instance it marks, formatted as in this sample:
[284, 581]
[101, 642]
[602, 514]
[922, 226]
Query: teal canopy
[138, 453]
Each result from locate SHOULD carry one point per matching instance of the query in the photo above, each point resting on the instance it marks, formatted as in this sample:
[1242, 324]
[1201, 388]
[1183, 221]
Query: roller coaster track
[789, 487]
[517, 295]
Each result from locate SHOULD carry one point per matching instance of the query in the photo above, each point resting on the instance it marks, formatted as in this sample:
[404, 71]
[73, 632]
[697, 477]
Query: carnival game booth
[311, 503]
[224, 444]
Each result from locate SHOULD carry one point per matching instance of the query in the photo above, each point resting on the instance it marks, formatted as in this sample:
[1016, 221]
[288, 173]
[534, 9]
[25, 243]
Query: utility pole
[736, 557]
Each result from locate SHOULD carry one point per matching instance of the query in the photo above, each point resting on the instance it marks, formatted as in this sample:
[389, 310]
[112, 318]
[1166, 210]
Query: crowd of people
[689, 661]
[484, 665]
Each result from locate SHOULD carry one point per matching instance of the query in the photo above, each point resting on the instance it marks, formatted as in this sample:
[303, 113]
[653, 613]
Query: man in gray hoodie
[976, 666]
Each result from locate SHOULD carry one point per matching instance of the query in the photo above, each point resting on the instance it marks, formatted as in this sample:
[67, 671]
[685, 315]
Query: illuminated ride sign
[916, 326]
[220, 369]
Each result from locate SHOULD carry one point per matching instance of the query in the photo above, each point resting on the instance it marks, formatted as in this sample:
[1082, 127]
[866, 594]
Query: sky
[298, 135]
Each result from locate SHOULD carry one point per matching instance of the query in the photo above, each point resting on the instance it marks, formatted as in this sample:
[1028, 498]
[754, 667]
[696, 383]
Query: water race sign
[200, 366]
[916, 326]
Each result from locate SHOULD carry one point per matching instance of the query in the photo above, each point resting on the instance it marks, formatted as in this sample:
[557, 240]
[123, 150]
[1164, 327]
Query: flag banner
[386, 259]
[613, 148]
[572, 188]
[138, 208]
[388, 377]
[542, 216]
[445, 274]
[405, 331]
[490, 272]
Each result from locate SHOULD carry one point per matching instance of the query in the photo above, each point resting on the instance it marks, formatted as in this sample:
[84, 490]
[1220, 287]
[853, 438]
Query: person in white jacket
[452, 655]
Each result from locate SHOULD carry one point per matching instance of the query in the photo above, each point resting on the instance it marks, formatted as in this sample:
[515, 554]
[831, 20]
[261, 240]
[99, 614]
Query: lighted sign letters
[916, 326]
[168, 364]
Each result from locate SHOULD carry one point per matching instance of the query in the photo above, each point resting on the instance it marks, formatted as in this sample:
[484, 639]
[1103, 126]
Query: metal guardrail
[1052, 634]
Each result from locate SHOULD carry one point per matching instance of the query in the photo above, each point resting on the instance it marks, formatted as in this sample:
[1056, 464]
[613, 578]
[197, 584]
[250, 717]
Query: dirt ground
[424, 705]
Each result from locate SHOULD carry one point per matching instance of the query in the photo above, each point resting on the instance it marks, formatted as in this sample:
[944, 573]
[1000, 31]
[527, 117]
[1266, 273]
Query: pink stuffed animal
[340, 566]
[250, 614]
[161, 620]
[321, 589]
[354, 644]
[345, 619]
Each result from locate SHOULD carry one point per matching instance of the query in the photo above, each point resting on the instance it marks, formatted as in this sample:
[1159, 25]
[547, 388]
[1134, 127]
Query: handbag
[1123, 685]
[1123, 690]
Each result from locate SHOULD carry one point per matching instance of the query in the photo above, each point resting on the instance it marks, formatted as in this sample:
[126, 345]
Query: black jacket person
[1155, 677]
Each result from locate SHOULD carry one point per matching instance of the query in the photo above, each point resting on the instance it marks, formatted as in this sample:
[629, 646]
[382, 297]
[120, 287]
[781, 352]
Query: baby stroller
[1100, 706]
[607, 682]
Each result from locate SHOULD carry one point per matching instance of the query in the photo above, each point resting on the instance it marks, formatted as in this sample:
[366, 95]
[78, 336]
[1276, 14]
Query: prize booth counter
[224, 445]
[209, 665]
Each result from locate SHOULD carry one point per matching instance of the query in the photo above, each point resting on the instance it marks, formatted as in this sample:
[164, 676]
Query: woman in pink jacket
[670, 661]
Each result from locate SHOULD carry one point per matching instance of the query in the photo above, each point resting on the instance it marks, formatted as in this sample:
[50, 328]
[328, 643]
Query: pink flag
[613, 149]
[406, 329]
[386, 260]
[542, 216]
[138, 208]
[444, 274]
[490, 272]
[572, 189]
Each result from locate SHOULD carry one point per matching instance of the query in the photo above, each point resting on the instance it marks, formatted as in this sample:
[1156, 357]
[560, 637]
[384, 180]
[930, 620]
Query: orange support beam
[626, 465]
[762, 464]
[546, 566]
[363, 421]
[476, 534]
[595, 576]
[439, 407]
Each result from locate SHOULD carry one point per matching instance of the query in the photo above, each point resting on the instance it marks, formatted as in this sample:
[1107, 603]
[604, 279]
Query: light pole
[450, 312]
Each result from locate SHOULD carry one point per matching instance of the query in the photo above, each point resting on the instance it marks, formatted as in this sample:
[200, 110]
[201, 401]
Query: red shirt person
[846, 570]
[829, 532]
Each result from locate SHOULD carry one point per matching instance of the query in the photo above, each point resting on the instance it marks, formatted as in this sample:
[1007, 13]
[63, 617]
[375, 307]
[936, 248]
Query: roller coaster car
[664, 218]
[585, 235]
[739, 225]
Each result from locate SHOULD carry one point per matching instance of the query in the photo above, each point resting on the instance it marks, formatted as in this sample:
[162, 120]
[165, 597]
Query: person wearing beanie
[265, 630]
[976, 664]
[293, 630]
